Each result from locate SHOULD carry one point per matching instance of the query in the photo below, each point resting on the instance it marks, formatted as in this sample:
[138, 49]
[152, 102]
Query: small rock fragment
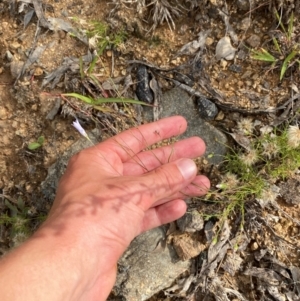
[191, 222]
[54, 110]
[209, 41]
[143, 90]
[15, 68]
[225, 50]
[9, 56]
[187, 246]
[232, 263]
[38, 71]
[235, 68]
[207, 109]
[254, 246]
[241, 55]
[220, 116]
[254, 41]
[14, 45]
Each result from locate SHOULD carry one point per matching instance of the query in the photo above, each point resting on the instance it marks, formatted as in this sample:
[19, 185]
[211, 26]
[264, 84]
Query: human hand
[113, 191]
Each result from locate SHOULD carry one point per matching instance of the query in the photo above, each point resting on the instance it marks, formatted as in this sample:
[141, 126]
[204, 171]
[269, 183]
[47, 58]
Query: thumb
[169, 178]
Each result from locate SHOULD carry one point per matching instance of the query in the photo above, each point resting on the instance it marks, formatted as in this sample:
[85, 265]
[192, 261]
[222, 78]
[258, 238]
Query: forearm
[56, 267]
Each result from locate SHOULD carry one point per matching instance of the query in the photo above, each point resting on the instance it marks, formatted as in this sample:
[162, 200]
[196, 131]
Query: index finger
[129, 143]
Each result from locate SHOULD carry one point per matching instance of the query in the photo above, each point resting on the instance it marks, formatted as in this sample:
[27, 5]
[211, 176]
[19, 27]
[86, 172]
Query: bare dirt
[243, 87]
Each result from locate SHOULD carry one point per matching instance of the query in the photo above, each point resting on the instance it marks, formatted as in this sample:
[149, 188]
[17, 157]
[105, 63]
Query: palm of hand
[128, 189]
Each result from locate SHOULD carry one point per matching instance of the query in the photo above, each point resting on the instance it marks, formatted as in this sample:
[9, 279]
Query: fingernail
[187, 168]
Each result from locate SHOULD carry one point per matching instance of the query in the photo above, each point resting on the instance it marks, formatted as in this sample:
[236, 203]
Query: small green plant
[285, 52]
[251, 174]
[17, 219]
[102, 38]
[100, 35]
[102, 100]
[37, 144]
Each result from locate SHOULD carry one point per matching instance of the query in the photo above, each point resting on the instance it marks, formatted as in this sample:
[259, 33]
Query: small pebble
[235, 68]
[14, 45]
[220, 116]
[245, 24]
[241, 55]
[9, 56]
[254, 246]
[225, 50]
[209, 41]
[253, 41]
[15, 68]
[223, 64]
[3, 113]
[38, 71]
[207, 109]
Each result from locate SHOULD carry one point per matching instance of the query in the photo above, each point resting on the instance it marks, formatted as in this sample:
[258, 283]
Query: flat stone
[178, 102]
[56, 170]
[145, 269]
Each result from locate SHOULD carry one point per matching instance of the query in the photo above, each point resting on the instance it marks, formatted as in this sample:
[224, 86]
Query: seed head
[270, 149]
[246, 126]
[229, 180]
[250, 158]
[293, 135]
[19, 238]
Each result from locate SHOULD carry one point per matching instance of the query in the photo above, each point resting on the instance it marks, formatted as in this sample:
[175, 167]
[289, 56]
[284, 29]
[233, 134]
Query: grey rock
[56, 170]
[191, 222]
[178, 102]
[145, 269]
[241, 55]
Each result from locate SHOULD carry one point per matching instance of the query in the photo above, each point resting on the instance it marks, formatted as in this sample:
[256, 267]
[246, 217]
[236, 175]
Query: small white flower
[270, 149]
[80, 129]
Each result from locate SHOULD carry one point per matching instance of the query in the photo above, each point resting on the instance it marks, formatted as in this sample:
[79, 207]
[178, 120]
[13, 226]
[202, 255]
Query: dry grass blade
[163, 11]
